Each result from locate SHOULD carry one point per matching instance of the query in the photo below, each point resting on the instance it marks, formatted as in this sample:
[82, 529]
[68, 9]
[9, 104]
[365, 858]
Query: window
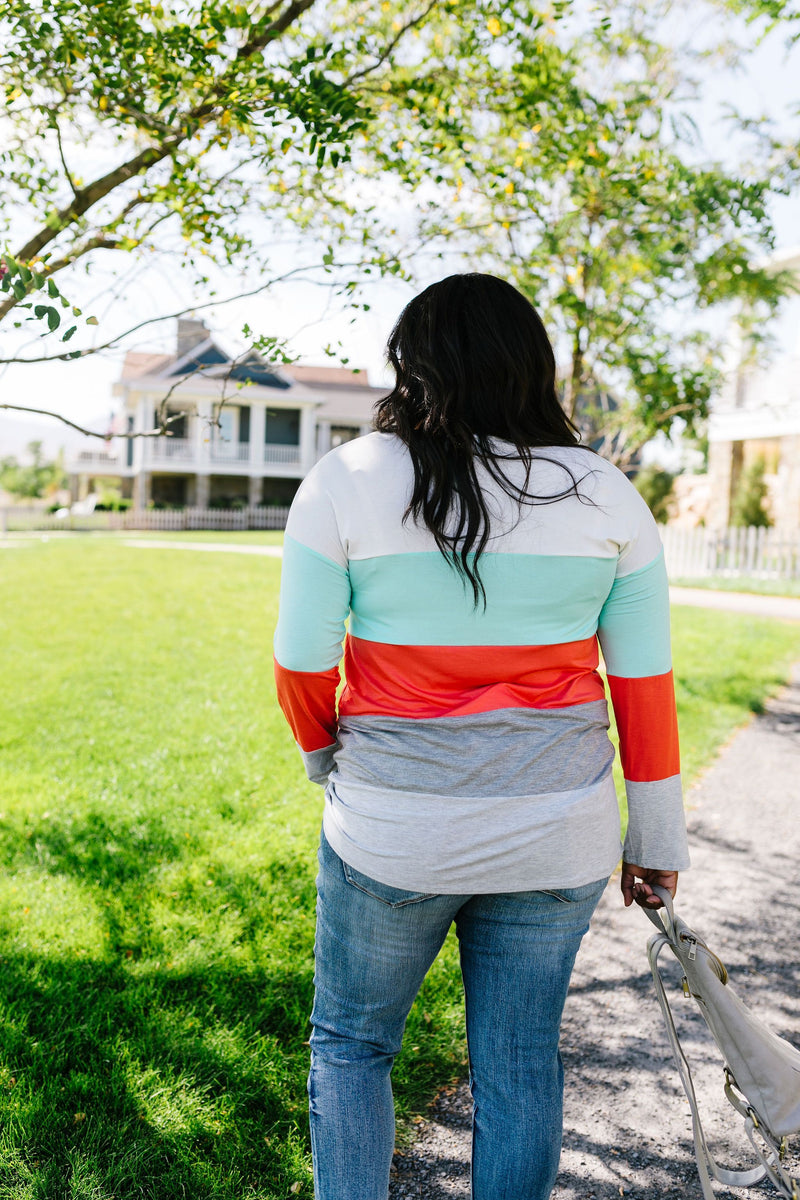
[226, 426]
[344, 433]
[282, 427]
[244, 424]
[178, 421]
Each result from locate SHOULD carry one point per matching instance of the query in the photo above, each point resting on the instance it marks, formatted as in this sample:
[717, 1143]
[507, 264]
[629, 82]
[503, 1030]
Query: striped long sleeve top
[468, 750]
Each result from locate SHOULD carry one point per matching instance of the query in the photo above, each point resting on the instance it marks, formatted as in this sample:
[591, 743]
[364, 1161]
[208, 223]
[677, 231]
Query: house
[757, 416]
[241, 431]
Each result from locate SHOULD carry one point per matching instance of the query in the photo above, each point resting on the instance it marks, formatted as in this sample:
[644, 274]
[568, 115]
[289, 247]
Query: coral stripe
[308, 701]
[648, 726]
[448, 681]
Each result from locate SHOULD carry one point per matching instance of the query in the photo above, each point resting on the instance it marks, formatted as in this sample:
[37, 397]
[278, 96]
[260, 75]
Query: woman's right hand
[637, 884]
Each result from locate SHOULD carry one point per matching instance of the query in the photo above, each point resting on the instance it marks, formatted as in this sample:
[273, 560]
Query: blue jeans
[374, 946]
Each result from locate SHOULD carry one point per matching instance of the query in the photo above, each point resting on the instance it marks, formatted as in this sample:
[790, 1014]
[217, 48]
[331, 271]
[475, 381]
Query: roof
[139, 363]
[208, 361]
[326, 376]
[350, 407]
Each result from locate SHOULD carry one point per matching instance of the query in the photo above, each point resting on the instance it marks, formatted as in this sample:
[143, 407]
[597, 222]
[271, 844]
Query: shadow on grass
[738, 690]
[172, 1062]
[127, 1075]
[157, 1084]
[95, 847]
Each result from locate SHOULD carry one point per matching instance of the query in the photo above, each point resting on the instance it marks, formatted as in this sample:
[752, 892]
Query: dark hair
[472, 362]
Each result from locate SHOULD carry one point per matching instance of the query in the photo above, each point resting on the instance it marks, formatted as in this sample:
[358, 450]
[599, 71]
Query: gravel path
[627, 1123]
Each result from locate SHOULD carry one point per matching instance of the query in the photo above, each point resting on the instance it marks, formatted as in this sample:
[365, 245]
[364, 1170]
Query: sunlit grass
[158, 845]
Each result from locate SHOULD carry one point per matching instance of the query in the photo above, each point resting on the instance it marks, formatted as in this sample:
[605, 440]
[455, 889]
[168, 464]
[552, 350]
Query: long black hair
[473, 363]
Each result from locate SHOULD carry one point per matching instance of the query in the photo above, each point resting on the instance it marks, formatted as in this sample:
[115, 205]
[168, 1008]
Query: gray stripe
[319, 763]
[656, 834]
[511, 752]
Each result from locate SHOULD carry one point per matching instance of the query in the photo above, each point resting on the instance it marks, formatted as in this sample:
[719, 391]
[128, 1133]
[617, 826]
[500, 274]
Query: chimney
[190, 334]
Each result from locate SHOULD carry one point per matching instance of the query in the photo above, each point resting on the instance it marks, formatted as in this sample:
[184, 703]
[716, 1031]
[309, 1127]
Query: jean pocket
[392, 897]
[575, 894]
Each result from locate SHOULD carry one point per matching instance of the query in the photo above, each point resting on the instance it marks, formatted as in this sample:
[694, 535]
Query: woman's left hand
[637, 884]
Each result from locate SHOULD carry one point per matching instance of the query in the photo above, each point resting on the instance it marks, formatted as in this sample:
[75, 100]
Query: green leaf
[52, 289]
[69, 333]
[53, 319]
[92, 321]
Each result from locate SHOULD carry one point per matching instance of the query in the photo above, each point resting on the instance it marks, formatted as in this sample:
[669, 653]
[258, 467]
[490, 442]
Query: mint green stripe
[315, 599]
[634, 623]
[533, 599]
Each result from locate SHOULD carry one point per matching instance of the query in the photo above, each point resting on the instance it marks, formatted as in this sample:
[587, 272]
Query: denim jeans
[374, 946]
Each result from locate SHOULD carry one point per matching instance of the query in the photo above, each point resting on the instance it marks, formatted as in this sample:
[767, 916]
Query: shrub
[748, 506]
[655, 486]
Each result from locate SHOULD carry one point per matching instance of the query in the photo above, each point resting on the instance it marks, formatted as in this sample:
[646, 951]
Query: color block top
[469, 749]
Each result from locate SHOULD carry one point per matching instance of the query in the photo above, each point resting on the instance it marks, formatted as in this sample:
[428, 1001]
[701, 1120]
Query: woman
[480, 553]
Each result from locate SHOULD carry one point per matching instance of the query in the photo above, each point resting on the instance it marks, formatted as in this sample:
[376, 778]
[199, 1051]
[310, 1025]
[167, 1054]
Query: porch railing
[167, 449]
[230, 452]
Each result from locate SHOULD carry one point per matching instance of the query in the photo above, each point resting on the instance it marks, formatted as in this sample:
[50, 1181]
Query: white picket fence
[21, 519]
[690, 553]
[736, 552]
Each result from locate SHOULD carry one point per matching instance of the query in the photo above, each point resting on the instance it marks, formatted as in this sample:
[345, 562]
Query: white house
[757, 416]
[240, 431]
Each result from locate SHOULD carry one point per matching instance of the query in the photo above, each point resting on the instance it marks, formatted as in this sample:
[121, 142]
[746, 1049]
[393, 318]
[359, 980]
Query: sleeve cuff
[319, 763]
[656, 834]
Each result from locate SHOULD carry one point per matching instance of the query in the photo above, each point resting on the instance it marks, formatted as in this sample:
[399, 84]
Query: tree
[138, 126]
[35, 479]
[580, 175]
[190, 128]
[545, 142]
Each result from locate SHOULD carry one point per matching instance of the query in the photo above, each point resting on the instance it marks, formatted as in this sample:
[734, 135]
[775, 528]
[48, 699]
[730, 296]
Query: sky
[306, 313]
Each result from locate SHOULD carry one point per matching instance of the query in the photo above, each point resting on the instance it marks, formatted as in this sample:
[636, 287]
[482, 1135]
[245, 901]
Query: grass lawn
[156, 904]
[737, 583]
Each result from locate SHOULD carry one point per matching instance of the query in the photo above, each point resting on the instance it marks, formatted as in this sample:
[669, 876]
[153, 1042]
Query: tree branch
[390, 46]
[190, 308]
[106, 437]
[67, 172]
[85, 198]
[275, 28]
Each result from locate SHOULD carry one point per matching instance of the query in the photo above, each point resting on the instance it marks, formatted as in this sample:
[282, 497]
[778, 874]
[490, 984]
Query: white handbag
[762, 1070]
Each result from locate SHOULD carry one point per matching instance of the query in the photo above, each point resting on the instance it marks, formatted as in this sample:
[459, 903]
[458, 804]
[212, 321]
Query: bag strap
[706, 1164]
[662, 918]
[772, 1158]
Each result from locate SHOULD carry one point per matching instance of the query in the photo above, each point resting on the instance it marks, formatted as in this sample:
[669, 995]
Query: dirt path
[757, 604]
[627, 1123]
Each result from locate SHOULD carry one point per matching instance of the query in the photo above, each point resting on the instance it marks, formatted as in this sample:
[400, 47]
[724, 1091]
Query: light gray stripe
[656, 834]
[511, 752]
[471, 844]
